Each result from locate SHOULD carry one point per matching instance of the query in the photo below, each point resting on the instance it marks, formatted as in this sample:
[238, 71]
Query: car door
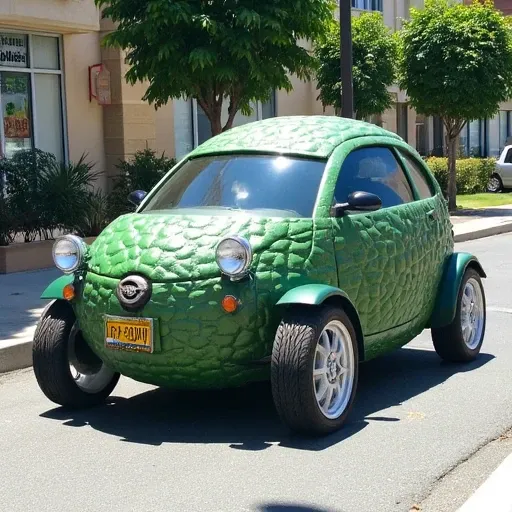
[505, 170]
[433, 222]
[380, 255]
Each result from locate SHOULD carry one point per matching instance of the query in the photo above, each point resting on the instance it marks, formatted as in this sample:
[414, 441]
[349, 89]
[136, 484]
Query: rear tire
[314, 369]
[58, 344]
[462, 339]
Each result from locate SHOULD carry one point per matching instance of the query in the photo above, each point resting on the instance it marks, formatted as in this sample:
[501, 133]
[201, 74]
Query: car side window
[417, 174]
[374, 170]
[508, 158]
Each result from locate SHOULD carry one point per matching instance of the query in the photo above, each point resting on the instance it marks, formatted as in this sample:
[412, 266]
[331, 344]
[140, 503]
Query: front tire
[314, 370]
[58, 350]
[462, 340]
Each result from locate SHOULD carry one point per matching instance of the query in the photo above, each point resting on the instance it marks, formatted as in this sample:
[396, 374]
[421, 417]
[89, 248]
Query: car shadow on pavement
[284, 507]
[245, 418]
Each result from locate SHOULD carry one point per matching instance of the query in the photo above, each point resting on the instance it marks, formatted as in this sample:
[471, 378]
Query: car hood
[168, 247]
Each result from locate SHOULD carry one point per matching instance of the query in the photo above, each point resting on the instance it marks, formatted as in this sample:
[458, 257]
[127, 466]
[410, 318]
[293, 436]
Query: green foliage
[96, 215]
[22, 174]
[215, 50]
[142, 172]
[374, 57]
[42, 195]
[456, 60]
[6, 221]
[472, 173]
[64, 191]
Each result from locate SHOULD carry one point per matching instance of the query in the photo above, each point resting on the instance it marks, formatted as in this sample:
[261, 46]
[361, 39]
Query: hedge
[472, 173]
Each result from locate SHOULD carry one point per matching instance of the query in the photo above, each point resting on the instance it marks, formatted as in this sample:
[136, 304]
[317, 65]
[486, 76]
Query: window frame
[31, 71]
[195, 123]
[393, 150]
[423, 171]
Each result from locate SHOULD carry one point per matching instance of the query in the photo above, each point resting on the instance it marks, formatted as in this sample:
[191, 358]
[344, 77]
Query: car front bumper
[196, 343]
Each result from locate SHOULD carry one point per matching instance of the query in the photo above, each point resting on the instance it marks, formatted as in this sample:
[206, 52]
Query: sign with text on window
[13, 50]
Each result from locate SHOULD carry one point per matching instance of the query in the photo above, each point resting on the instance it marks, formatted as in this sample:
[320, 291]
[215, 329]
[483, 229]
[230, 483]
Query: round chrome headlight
[68, 253]
[234, 256]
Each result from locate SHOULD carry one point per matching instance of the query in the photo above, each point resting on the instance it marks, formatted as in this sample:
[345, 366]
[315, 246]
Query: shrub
[7, 231]
[22, 175]
[65, 191]
[42, 195]
[142, 172]
[472, 173]
[96, 214]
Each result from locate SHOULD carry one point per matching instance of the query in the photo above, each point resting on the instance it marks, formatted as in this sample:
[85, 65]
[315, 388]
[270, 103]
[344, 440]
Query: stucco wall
[84, 118]
[64, 16]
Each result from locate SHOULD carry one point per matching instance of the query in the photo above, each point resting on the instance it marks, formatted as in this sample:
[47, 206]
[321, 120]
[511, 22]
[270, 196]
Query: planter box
[28, 256]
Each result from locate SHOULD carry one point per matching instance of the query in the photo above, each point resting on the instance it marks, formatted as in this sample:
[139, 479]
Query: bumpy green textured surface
[315, 136]
[389, 263]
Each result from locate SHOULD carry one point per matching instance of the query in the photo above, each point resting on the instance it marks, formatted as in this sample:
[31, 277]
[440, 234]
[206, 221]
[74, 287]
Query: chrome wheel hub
[87, 370]
[472, 313]
[333, 370]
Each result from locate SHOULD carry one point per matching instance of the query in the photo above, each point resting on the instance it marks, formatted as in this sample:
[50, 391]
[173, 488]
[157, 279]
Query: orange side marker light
[68, 292]
[230, 304]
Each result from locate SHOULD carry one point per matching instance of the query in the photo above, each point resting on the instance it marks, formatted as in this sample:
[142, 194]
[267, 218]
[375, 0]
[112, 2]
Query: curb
[16, 356]
[494, 494]
[484, 232]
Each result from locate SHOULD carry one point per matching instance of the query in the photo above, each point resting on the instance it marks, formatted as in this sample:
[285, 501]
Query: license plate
[133, 334]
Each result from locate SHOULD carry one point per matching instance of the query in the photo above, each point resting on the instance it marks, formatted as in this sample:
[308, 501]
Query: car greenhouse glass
[256, 183]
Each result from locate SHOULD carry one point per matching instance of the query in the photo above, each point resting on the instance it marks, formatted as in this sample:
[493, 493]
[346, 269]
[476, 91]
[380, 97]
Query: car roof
[311, 136]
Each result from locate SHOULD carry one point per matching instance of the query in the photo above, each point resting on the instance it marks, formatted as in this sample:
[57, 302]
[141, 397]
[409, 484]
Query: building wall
[84, 118]
[63, 16]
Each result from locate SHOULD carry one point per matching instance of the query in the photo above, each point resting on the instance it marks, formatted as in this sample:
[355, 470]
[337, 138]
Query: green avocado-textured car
[289, 249]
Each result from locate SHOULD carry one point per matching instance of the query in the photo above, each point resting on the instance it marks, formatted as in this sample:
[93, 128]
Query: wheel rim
[88, 371]
[494, 184]
[333, 370]
[472, 313]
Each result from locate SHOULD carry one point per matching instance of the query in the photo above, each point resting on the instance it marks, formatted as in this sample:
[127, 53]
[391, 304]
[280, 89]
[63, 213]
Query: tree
[216, 50]
[456, 63]
[374, 52]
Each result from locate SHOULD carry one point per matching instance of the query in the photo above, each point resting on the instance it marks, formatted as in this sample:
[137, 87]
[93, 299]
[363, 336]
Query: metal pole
[347, 96]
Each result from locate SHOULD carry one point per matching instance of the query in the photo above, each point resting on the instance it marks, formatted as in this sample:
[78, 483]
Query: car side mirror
[357, 201]
[137, 196]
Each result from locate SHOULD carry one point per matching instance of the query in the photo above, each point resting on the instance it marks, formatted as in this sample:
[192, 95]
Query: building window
[421, 134]
[192, 127]
[505, 128]
[31, 94]
[367, 5]
[402, 125]
[470, 139]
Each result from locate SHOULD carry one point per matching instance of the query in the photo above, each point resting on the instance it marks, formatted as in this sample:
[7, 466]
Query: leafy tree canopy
[456, 63]
[456, 60]
[216, 50]
[374, 53]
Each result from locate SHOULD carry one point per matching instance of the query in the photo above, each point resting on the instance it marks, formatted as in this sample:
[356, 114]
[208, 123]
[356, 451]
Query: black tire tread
[448, 341]
[292, 390]
[50, 360]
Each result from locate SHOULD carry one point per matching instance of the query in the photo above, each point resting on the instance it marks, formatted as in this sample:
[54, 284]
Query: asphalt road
[153, 450]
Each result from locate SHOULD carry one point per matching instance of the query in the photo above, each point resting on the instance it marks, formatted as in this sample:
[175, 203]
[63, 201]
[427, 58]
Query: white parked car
[502, 177]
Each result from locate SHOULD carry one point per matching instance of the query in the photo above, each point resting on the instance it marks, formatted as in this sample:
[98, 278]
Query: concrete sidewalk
[20, 308]
[480, 223]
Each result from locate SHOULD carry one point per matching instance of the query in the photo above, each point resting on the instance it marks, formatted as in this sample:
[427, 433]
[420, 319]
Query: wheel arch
[446, 299]
[55, 289]
[316, 295]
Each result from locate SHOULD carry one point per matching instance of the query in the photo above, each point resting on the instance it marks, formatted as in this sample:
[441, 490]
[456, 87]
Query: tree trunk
[452, 174]
[216, 122]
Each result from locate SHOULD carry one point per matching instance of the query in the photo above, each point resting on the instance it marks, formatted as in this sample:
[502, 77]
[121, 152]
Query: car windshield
[266, 185]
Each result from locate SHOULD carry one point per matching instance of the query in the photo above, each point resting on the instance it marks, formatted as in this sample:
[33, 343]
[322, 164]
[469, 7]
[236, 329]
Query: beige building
[49, 61]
